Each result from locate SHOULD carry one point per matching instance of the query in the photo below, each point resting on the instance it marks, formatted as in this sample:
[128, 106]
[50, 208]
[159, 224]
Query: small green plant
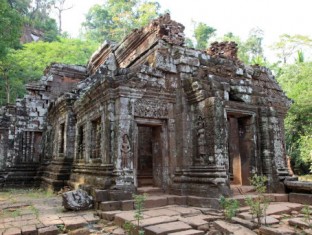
[259, 204]
[307, 214]
[138, 214]
[230, 207]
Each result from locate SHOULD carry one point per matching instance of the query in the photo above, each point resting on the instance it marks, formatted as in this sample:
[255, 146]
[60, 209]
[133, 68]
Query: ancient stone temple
[149, 111]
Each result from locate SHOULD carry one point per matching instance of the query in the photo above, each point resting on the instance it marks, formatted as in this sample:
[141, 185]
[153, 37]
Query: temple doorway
[240, 148]
[149, 156]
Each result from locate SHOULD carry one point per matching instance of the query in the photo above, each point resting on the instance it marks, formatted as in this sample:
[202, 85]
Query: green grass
[305, 178]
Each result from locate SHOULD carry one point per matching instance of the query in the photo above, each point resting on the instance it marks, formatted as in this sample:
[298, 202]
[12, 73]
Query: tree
[10, 25]
[250, 51]
[27, 64]
[202, 33]
[296, 80]
[116, 18]
[59, 5]
[288, 45]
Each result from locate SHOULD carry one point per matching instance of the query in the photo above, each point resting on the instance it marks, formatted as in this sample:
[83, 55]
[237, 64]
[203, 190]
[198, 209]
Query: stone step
[145, 181]
[149, 190]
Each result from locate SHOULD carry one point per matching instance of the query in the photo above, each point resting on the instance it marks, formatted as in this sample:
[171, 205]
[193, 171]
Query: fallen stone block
[235, 229]
[160, 212]
[91, 219]
[123, 217]
[157, 220]
[77, 200]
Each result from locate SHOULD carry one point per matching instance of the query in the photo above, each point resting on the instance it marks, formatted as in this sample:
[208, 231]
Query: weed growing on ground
[259, 204]
[307, 214]
[138, 214]
[230, 207]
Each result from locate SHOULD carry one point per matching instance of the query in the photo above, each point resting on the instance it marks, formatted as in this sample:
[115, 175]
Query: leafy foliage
[258, 205]
[230, 207]
[296, 82]
[27, 64]
[10, 25]
[202, 33]
[116, 18]
[289, 45]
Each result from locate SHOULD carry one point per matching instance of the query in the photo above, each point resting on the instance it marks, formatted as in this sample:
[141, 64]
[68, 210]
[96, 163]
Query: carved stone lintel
[148, 108]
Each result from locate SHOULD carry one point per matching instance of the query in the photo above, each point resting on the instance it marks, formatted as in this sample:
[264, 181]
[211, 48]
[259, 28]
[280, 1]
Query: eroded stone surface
[77, 200]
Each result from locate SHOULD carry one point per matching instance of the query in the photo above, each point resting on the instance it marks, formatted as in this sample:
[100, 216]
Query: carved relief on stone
[126, 153]
[202, 156]
[148, 108]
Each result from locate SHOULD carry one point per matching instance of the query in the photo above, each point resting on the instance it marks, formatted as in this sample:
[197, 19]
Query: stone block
[188, 232]
[264, 230]
[299, 223]
[51, 230]
[29, 230]
[245, 223]
[110, 206]
[155, 202]
[90, 218]
[127, 205]
[157, 220]
[185, 211]
[109, 215]
[80, 231]
[203, 202]
[177, 200]
[120, 195]
[74, 222]
[161, 212]
[235, 229]
[100, 195]
[12, 231]
[162, 229]
[302, 198]
[123, 217]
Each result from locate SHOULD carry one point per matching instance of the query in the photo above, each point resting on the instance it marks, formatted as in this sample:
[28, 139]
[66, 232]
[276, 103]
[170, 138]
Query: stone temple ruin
[149, 111]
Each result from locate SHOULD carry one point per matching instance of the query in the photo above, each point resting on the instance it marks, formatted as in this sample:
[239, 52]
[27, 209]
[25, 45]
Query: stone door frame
[251, 155]
[160, 123]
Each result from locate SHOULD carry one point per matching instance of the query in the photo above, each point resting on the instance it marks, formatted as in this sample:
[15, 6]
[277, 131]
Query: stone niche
[151, 112]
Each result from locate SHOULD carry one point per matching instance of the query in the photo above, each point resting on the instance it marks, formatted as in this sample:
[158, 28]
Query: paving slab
[157, 220]
[185, 211]
[155, 202]
[299, 222]
[123, 217]
[264, 230]
[194, 221]
[51, 230]
[235, 229]
[109, 215]
[283, 207]
[162, 229]
[188, 232]
[268, 220]
[12, 231]
[245, 223]
[91, 219]
[29, 230]
[159, 212]
[74, 222]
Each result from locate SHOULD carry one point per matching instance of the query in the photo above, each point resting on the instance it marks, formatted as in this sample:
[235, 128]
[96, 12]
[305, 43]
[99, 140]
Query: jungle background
[30, 39]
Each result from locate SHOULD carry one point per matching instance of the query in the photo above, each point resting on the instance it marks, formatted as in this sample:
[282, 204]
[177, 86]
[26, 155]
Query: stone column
[124, 149]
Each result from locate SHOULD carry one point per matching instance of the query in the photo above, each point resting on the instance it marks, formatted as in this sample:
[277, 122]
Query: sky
[274, 17]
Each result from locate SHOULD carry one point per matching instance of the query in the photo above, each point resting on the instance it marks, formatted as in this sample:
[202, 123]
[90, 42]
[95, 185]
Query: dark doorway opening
[240, 148]
[149, 156]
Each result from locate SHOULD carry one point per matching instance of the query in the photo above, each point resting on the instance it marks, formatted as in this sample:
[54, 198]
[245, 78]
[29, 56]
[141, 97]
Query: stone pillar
[123, 145]
[208, 176]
